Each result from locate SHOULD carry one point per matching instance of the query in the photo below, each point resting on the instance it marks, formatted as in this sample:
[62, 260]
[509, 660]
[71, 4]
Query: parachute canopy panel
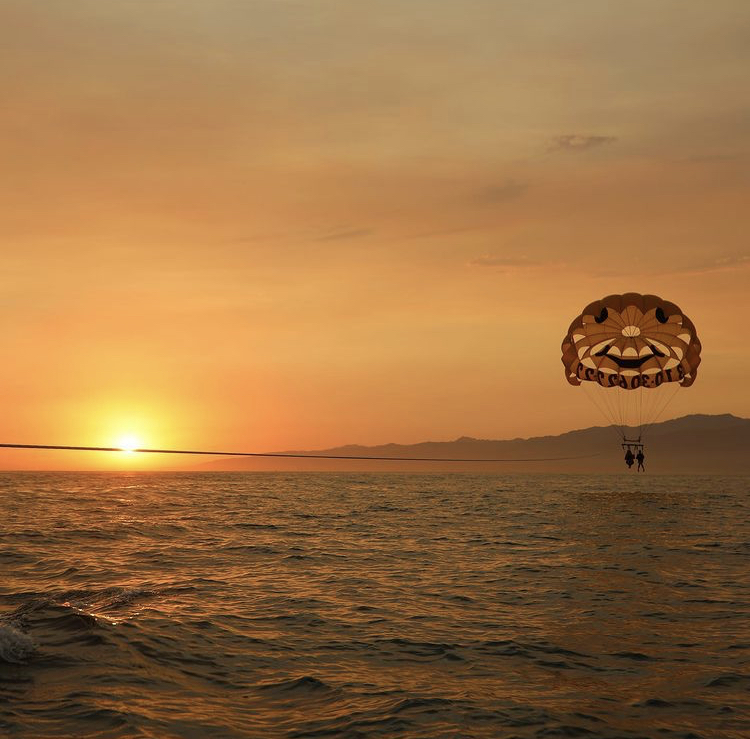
[631, 341]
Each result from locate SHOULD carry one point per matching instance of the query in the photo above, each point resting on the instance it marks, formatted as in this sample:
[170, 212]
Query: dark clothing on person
[629, 458]
[640, 459]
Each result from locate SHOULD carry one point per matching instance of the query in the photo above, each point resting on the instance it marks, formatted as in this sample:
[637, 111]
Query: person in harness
[629, 458]
[640, 457]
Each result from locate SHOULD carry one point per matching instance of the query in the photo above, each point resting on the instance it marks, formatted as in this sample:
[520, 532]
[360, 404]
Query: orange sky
[281, 224]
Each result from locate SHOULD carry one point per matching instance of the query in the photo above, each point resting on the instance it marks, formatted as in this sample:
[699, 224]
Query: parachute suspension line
[629, 411]
[599, 398]
[623, 405]
[640, 412]
[622, 399]
[614, 404]
[599, 403]
[626, 405]
[611, 403]
[666, 401]
[599, 406]
[619, 402]
[649, 400]
[637, 409]
[650, 403]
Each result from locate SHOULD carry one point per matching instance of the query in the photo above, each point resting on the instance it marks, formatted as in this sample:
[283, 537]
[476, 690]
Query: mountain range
[695, 444]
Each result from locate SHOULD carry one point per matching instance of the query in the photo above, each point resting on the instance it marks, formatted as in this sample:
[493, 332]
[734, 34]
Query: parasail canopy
[630, 346]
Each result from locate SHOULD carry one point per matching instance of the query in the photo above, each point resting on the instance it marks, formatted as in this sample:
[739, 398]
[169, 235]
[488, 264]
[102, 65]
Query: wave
[15, 646]
[305, 684]
[75, 610]
[299, 606]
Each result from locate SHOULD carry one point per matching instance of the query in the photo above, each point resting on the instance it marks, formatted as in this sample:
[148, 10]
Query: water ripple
[238, 606]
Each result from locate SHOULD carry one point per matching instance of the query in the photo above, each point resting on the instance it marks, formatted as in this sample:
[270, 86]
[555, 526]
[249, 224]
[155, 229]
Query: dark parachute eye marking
[660, 315]
[602, 317]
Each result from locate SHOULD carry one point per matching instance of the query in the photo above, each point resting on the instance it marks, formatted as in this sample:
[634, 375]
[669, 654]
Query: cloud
[500, 193]
[719, 264]
[297, 236]
[578, 142]
[487, 260]
[347, 233]
[713, 158]
[735, 261]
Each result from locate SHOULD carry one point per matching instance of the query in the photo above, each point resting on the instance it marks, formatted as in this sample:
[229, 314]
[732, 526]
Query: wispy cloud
[304, 235]
[714, 158]
[579, 142]
[502, 192]
[345, 233]
[719, 264]
[497, 262]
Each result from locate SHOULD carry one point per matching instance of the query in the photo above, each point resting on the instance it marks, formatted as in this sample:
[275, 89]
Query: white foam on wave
[113, 604]
[15, 646]
[102, 600]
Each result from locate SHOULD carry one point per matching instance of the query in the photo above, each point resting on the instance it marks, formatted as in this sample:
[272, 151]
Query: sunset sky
[294, 224]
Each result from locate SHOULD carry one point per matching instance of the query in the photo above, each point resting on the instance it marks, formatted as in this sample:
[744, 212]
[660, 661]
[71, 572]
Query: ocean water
[361, 605]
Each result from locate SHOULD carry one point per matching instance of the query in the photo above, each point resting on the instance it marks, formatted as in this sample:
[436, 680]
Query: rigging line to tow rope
[277, 454]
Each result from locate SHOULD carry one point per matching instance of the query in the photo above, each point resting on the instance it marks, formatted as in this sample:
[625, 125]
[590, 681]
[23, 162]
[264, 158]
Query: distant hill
[693, 444]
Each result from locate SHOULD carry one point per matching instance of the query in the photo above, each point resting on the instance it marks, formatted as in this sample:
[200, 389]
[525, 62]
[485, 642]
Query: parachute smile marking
[629, 363]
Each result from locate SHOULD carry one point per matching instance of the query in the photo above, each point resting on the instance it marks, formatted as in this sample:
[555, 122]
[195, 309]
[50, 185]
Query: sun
[129, 443]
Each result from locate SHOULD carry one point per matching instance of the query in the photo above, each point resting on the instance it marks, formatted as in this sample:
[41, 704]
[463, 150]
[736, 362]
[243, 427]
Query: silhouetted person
[640, 459]
[629, 458]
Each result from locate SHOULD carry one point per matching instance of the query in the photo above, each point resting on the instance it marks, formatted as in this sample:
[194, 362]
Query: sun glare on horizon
[129, 443]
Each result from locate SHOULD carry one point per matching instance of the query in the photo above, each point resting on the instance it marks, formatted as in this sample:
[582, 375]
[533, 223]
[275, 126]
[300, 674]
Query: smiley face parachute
[631, 353]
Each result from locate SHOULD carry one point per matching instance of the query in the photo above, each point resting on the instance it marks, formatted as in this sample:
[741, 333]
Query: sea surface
[233, 605]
